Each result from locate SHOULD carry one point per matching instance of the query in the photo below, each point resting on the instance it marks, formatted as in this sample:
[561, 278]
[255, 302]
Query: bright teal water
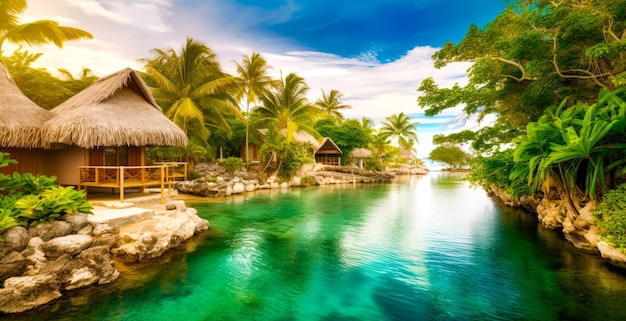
[425, 248]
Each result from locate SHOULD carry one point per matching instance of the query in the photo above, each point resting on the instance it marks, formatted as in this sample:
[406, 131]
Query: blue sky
[375, 52]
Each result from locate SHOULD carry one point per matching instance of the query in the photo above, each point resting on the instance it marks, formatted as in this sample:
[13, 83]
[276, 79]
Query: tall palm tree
[253, 81]
[331, 104]
[287, 109]
[33, 33]
[191, 88]
[401, 127]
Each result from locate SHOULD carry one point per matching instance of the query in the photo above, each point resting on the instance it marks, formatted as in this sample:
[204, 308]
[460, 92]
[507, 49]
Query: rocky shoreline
[37, 265]
[215, 181]
[577, 224]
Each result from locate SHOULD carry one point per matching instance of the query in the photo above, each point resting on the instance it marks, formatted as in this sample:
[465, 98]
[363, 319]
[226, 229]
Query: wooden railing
[122, 177]
[174, 170]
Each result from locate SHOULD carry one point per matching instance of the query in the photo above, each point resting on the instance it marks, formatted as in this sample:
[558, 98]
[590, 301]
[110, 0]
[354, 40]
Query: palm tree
[33, 33]
[287, 109]
[399, 126]
[253, 81]
[331, 105]
[191, 88]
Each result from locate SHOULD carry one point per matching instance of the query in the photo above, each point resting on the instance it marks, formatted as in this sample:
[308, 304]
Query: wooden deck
[122, 177]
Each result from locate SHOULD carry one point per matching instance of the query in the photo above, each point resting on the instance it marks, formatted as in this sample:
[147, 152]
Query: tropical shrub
[29, 200]
[611, 216]
[578, 147]
[308, 181]
[231, 164]
[496, 170]
[295, 156]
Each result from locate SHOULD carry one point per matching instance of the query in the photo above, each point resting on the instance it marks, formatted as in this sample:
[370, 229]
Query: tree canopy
[533, 55]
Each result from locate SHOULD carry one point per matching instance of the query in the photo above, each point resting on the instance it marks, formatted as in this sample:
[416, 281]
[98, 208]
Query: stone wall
[38, 263]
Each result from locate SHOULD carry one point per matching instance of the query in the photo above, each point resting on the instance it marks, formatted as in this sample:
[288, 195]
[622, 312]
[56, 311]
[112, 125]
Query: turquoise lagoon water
[421, 248]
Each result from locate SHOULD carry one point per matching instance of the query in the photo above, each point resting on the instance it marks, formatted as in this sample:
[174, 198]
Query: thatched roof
[116, 110]
[20, 118]
[328, 147]
[300, 136]
[361, 153]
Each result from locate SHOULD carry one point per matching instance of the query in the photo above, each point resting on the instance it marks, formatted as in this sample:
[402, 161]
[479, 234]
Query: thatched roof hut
[361, 153]
[20, 118]
[116, 110]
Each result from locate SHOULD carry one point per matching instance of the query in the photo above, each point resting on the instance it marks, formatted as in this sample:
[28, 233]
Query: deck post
[121, 169]
[162, 184]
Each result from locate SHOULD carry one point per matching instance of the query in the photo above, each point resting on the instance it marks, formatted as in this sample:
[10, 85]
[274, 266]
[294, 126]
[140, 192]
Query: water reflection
[422, 248]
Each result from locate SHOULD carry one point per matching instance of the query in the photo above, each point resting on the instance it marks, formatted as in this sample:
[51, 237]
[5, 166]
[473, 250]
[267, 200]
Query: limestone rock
[87, 230]
[612, 255]
[93, 265]
[23, 293]
[101, 229]
[238, 188]
[13, 264]
[78, 221]
[15, 239]
[150, 238]
[35, 255]
[48, 231]
[250, 187]
[70, 244]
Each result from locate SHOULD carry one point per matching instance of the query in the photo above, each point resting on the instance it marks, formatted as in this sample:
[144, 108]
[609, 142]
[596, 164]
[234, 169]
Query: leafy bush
[611, 216]
[231, 164]
[308, 181]
[296, 155]
[29, 200]
[496, 170]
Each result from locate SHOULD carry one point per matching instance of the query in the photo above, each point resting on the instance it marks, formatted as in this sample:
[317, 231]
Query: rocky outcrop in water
[38, 264]
[555, 211]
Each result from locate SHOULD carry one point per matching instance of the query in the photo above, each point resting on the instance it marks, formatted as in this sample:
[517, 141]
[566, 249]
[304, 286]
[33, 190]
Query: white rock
[238, 188]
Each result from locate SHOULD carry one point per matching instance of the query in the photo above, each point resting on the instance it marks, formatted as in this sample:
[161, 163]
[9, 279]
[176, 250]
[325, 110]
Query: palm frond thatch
[20, 118]
[116, 110]
[361, 153]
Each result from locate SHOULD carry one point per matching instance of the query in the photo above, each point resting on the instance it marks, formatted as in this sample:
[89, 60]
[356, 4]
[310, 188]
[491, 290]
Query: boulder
[78, 221]
[238, 188]
[35, 255]
[13, 264]
[92, 265]
[250, 187]
[26, 292]
[15, 239]
[48, 231]
[150, 238]
[70, 244]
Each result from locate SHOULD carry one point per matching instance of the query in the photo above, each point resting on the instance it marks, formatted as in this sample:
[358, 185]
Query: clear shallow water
[424, 248]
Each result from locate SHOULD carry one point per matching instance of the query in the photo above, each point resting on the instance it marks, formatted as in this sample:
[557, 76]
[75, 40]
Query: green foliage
[232, 164]
[308, 181]
[192, 89]
[295, 155]
[496, 170]
[347, 134]
[450, 155]
[50, 204]
[611, 216]
[578, 146]
[40, 85]
[533, 55]
[330, 104]
[230, 142]
[7, 220]
[28, 200]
